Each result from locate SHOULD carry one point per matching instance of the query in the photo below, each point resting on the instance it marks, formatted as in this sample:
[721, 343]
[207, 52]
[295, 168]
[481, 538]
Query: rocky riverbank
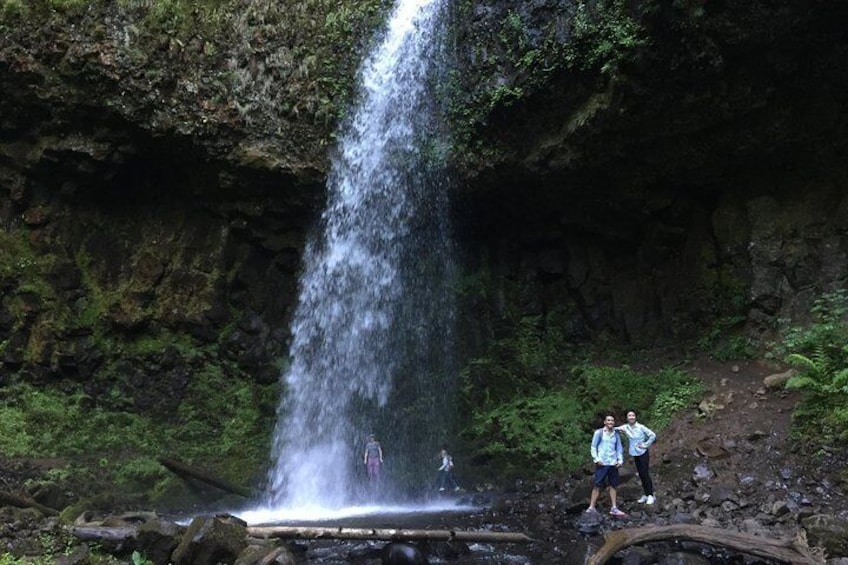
[731, 464]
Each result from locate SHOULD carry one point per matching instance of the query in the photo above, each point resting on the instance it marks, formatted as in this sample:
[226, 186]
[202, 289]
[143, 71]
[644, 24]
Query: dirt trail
[736, 405]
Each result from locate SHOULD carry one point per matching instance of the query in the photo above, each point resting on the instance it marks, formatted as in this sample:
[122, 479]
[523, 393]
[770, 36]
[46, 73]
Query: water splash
[371, 332]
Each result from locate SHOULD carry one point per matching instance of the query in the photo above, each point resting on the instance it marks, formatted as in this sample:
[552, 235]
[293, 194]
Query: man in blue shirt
[608, 457]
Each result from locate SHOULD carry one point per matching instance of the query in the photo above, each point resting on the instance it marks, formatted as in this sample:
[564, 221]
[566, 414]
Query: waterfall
[371, 332]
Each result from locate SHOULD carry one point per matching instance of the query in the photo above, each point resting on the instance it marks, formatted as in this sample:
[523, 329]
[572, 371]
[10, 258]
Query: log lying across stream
[384, 534]
[793, 551]
[185, 470]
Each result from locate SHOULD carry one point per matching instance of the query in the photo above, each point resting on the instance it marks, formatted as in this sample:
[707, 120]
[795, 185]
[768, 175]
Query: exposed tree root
[794, 551]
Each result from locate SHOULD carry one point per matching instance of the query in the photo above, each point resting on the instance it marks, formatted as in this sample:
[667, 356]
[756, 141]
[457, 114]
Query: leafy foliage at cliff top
[259, 63]
[519, 52]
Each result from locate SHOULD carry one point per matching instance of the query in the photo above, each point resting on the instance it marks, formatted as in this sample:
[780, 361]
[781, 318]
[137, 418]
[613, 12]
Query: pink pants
[373, 467]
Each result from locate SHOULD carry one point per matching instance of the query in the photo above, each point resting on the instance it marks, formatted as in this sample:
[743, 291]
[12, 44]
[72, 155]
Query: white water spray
[374, 311]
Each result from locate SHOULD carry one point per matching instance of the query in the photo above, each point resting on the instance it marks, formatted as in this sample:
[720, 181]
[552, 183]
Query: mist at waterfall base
[372, 331]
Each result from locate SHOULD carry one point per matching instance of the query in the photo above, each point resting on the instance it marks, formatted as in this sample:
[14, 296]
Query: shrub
[225, 421]
[532, 435]
[655, 395]
[819, 352]
[547, 431]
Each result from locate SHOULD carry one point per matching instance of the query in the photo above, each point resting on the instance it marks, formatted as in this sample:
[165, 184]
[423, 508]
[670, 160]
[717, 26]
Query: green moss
[224, 422]
[514, 58]
[531, 435]
[68, 5]
[235, 411]
[619, 389]
[11, 9]
[20, 263]
[141, 473]
[152, 344]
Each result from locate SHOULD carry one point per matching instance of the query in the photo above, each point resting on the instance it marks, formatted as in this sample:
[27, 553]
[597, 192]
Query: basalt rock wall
[157, 189]
[692, 185]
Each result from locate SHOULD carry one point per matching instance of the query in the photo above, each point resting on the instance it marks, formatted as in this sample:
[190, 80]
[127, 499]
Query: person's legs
[373, 468]
[594, 497]
[598, 481]
[612, 479]
[643, 468]
[443, 480]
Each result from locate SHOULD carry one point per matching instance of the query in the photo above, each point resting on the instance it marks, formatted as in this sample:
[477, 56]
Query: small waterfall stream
[370, 336]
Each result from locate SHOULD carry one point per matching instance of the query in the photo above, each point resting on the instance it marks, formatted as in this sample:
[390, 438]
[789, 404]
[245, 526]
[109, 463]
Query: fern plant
[819, 352]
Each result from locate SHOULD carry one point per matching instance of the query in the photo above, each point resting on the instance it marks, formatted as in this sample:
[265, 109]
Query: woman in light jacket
[640, 439]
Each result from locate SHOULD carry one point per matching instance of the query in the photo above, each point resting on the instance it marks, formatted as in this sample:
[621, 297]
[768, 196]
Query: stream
[465, 512]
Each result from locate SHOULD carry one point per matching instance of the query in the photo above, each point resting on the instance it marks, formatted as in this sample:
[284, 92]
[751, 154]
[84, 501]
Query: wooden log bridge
[384, 534]
[794, 551]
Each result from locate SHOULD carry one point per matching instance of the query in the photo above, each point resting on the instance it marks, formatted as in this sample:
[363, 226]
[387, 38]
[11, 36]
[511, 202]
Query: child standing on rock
[446, 480]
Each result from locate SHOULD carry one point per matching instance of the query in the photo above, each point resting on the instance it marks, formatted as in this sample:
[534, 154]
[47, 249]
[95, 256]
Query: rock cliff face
[689, 182]
[143, 215]
[158, 181]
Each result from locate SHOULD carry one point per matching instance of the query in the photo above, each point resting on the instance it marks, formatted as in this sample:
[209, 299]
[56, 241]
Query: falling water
[371, 330]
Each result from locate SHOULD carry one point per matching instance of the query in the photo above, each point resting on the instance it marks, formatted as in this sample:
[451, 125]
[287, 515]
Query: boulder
[265, 555]
[210, 540]
[829, 532]
[397, 553]
[777, 381]
[156, 539]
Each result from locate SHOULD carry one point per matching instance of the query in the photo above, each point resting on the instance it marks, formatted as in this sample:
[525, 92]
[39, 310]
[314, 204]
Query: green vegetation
[291, 60]
[819, 352]
[725, 339]
[531, 435]
[139, 559]
[619, 389]
[603, 36]
[20, 263]
[532, 400]
[10, 9]
[55, 547]
[224, 421]
[546, 431]
[521, 56]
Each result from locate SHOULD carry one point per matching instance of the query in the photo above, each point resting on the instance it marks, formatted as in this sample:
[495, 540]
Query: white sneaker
[642, 499]
[651, 499]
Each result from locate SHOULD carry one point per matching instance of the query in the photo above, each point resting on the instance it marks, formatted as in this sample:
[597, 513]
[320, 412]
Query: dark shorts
[606, 474]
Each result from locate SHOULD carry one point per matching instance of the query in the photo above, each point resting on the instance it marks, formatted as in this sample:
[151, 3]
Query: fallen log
[104, 533]
[384, 534]
[26, 502]
[794, 551]
[185, 470]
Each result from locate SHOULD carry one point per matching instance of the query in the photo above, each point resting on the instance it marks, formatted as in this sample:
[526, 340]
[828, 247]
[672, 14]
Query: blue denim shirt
[606, 448]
